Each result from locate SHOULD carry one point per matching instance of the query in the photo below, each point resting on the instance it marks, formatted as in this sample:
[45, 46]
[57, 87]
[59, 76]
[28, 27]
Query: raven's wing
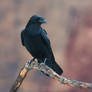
[45, 39]
[51, 63]
[22, 38]
[46, 42]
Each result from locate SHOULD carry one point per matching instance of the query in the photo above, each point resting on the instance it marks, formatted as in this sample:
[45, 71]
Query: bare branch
[28, 66]
[47, 71]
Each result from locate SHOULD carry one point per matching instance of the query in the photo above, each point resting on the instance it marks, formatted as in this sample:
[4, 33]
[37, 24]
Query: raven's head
[37, 19]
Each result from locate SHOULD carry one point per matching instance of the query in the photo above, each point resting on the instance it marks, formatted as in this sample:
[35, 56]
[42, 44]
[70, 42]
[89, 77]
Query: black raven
[36, 41]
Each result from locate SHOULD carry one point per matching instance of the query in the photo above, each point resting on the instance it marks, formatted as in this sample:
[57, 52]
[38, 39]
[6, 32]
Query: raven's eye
[37, 19]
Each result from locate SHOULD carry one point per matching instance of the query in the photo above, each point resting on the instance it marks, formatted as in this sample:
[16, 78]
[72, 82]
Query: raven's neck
[34, 28]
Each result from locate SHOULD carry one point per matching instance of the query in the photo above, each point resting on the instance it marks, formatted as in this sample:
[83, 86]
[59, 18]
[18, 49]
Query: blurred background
[70, 31]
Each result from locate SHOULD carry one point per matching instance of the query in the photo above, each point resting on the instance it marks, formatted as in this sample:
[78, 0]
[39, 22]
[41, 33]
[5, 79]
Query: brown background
[70, 31]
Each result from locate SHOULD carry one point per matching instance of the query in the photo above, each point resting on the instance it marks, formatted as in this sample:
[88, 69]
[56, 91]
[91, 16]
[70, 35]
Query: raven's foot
[31, 60]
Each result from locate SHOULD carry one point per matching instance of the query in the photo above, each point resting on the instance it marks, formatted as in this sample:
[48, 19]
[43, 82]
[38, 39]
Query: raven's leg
[45, 60]
[31, 60]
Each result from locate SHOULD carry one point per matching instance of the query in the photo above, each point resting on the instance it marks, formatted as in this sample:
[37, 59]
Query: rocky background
[70, 31]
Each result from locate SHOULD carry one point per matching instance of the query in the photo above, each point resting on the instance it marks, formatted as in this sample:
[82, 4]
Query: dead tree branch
[28, 66]
[47, 71]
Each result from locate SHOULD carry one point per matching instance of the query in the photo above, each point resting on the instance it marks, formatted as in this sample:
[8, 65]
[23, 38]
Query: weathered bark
[47, 71]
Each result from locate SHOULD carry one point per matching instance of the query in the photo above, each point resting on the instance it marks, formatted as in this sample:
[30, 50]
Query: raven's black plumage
[35, 39]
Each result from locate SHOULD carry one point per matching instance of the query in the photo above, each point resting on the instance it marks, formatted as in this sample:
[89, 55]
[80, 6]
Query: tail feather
[53, 65]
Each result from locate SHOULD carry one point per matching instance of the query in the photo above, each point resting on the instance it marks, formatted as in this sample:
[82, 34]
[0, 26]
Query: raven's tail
[53, 65]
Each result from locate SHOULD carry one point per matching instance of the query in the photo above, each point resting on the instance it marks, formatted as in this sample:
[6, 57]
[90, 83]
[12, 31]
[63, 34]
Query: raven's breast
[36, 47]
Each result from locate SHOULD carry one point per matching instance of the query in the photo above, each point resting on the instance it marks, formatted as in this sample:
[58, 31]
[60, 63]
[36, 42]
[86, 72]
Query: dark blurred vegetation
[70, 30]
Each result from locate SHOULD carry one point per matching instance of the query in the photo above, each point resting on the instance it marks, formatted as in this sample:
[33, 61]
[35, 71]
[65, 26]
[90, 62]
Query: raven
[36, 41]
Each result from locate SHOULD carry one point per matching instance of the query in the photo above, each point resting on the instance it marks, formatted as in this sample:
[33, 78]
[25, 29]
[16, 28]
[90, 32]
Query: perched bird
[36, 41]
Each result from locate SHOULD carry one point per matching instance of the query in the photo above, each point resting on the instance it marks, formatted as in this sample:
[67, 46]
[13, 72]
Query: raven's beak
[42, 20]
